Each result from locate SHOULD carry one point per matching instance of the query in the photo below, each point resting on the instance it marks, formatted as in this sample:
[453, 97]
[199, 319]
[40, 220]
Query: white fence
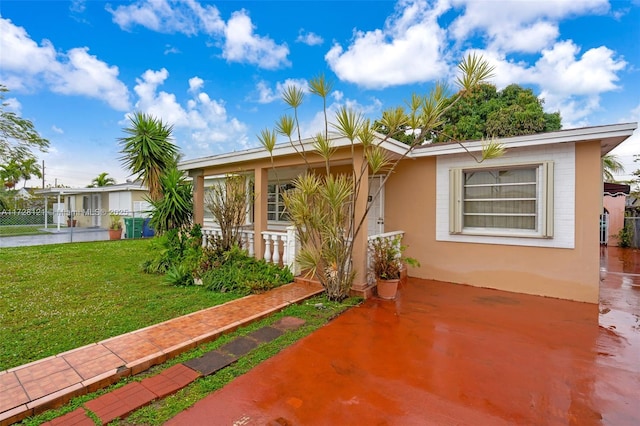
[282, 247]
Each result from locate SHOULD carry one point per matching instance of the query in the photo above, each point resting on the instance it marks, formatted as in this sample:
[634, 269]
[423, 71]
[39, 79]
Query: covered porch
[267, 233]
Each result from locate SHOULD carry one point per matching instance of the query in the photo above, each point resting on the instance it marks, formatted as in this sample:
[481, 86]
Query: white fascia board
[281, 150]
[101, 189]
[583, 134]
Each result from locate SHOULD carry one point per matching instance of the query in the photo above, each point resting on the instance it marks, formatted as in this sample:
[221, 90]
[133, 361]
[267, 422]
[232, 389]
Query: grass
[18, 230]
[316, 312]
[54, 298]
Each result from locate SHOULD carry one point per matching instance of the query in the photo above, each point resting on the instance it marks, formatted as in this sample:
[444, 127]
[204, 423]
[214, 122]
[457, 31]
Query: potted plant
[388, 265]
[115, 229]
[71, 223]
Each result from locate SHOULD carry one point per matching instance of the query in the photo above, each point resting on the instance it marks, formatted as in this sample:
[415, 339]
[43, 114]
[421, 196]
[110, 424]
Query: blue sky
[215, 69]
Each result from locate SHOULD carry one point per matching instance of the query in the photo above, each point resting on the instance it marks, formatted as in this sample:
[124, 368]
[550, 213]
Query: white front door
[375, 218]
[96, 207]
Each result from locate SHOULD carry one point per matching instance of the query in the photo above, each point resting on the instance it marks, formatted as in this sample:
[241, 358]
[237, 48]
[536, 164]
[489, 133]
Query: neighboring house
[525, 222]
[91, 207]
[614, 201]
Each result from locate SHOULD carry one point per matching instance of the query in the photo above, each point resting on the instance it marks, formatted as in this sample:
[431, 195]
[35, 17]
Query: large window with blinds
[513, 200]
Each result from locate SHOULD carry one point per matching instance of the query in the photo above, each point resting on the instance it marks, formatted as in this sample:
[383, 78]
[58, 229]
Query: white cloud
[13, 105]
[57, 130]
[201, 126]
[524, 26]
[266, 94]
[86, 75]
[189, 17]
[78, 6]
[26, 66]
[195, 84]
[171, 49]
[309, 38]
[627, 150]
[242, 45]
[408, 50]
[568, 81]
[169, 16]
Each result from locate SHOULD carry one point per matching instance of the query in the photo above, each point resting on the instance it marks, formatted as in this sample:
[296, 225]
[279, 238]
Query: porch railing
[282, 247]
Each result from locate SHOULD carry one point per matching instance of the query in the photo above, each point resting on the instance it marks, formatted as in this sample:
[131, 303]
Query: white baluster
[267, 248]
[276, 249]
[291, 249]
[285, 250]
[251, 246]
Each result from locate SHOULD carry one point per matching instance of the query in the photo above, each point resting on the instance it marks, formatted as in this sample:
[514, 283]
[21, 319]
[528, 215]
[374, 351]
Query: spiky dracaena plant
[228, 203]
[321, 203]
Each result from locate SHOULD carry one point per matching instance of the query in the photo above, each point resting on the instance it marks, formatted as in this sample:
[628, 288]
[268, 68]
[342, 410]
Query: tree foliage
[174, 210]
[19, 168]
[228, 203]
[148, 151]
[103, 179]
[610, 166]
[18, 136]
[484, 113]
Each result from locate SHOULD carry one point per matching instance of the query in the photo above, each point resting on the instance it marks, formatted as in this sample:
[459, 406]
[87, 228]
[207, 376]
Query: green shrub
[625, 235]
[235, 271]
[175, 247]
[179, 276]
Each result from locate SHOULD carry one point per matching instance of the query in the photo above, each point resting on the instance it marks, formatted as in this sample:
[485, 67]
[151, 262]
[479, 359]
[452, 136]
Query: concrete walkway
[53, 236]
[33, 388]
[446, 354]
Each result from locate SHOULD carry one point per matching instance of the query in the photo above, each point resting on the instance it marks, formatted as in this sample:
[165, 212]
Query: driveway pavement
[446, 354]
[65, 235]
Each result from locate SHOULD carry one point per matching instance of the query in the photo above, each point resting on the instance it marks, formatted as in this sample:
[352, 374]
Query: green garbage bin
[133, 227]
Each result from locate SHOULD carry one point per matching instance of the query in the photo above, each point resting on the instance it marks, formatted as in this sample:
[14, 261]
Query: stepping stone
[210, 362]
[240, 346]
[289, 323]
[266, 334]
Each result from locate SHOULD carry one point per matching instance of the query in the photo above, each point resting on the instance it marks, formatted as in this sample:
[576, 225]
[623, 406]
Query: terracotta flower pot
[115, 234]
[387, 289]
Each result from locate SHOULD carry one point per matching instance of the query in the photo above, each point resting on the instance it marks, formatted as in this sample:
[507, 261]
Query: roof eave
[610, 136]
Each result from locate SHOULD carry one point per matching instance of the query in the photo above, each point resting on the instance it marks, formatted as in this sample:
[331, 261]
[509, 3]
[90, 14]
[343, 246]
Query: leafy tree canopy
[18, 136]
[103, 179]
[485, 112]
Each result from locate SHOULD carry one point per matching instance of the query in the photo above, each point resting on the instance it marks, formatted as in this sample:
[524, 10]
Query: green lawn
[16, 230]
[54, 298]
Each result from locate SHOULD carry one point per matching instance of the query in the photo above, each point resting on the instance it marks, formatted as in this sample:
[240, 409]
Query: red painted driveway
[446, 354]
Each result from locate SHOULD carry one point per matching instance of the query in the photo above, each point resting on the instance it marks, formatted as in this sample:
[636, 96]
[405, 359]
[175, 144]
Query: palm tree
[611, 165]
[102, 180]
[29, 167]
[148, 151]
[10, 174]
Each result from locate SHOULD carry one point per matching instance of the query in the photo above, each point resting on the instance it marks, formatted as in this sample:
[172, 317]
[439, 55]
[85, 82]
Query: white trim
[611, 134]
[561, 191]
[284, 149]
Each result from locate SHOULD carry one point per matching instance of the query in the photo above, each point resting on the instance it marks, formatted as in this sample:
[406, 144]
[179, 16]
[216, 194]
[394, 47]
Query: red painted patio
[446, 354]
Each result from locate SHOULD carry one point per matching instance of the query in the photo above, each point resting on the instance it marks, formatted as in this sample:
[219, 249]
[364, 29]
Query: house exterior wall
[615, 206]
[566, 266]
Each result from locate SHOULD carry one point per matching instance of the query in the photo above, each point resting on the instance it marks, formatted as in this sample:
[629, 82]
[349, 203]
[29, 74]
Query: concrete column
[261, 177]
[198, 196]
[360, 286]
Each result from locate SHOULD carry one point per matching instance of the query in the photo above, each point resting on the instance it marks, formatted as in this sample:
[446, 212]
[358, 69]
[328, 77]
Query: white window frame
[544, 202]
[279, 202]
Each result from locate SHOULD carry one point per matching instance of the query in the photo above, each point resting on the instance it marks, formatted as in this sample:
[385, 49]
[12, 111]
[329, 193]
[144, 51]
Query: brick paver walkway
[48, 383]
